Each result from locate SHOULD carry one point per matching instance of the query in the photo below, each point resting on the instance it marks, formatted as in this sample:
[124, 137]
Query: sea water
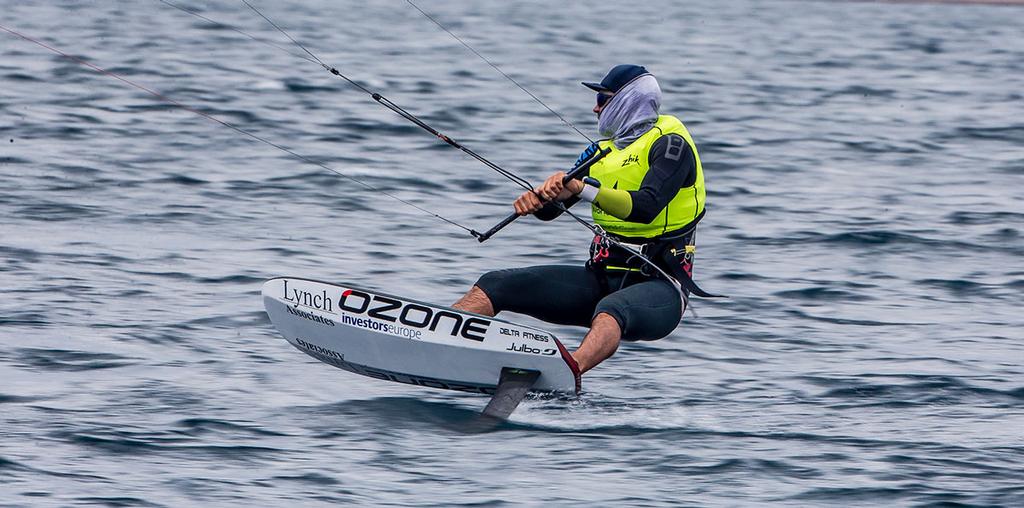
[865, 217]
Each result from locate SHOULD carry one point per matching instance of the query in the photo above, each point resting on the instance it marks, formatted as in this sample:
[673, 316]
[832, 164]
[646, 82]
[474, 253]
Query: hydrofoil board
[407, 341]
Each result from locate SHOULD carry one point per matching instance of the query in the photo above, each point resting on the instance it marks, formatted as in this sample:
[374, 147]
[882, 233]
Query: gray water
[865, 217]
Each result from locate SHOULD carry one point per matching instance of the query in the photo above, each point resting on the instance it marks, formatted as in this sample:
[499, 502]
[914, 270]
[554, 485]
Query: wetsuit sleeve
[672, 167]
[550, 210]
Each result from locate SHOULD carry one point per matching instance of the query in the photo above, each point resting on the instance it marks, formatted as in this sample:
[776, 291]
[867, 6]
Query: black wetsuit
[646, 307]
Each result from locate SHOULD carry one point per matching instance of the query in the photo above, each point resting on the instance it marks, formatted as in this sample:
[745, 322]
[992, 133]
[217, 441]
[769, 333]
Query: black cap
[617, 78]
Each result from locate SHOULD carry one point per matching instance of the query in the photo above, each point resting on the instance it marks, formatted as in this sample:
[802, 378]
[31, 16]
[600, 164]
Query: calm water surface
[866, 218]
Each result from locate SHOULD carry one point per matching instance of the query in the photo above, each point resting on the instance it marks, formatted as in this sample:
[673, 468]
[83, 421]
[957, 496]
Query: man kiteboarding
[648, 193]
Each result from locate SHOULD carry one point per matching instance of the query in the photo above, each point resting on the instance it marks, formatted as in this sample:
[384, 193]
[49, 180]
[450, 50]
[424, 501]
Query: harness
[673, 253]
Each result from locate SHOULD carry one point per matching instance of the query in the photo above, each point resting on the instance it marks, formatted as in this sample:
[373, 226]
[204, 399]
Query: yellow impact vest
[625, 170]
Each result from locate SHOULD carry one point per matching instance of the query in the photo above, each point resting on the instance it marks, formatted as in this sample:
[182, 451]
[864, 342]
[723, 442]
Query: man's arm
[551, 210]
[672, 167]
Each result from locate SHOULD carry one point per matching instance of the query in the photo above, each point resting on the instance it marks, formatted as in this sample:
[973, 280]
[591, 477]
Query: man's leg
[557, 294]
[647, 311]
[475, 300]
[600, 343]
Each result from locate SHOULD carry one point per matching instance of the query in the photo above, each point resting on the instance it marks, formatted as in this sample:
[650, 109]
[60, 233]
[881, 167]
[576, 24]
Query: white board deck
[407, 341]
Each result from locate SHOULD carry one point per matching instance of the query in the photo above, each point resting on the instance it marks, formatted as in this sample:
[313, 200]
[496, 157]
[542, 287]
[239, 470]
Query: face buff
[631, 112]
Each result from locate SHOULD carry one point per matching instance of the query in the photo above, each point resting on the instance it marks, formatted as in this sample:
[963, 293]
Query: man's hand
[551, 190]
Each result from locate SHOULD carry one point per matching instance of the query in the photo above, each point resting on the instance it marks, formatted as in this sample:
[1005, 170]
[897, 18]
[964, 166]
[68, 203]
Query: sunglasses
[604, 97]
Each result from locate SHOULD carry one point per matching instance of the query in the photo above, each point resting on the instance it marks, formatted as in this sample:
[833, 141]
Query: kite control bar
[573, 173]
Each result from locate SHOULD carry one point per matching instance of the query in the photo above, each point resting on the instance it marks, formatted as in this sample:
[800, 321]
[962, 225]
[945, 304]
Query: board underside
[407, 341]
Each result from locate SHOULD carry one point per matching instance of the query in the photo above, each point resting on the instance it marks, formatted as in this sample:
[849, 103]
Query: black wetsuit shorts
[646, 308]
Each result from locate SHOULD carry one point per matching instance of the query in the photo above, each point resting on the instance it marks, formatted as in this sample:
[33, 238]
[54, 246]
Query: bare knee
[475, 300]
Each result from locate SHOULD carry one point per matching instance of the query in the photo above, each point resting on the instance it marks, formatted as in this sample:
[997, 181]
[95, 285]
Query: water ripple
[864, 217]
